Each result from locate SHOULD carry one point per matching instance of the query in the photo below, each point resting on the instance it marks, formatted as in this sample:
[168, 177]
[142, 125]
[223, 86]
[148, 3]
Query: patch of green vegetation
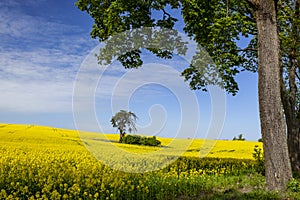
[140, 140]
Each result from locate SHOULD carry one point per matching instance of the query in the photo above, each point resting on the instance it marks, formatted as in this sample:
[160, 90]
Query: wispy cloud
[17, 23]
[33, 97]
[14, 3]
[20, 30]
[39, 59]
[36, 81]
[114, 81]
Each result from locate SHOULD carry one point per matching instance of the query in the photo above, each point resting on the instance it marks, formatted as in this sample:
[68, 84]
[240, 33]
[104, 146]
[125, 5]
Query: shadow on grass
[106, 140]
[233, 194]
[117, 142]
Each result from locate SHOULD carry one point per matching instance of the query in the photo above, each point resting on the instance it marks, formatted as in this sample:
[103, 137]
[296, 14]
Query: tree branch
[253, 2]
[165, 13]
[298, 77]
[227, 9]
[247, 49]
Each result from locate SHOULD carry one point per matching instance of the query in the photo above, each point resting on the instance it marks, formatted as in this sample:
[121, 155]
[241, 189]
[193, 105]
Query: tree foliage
[218, 26]
[112, 17]
[124, 121]
[207, 21]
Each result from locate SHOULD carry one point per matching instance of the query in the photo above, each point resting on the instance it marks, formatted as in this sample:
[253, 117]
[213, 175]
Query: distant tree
[260, 140]
[124, 121]
[239, 138]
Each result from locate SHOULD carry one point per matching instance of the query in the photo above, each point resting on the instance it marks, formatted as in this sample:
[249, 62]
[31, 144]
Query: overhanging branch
[248, 49]
[166, 13]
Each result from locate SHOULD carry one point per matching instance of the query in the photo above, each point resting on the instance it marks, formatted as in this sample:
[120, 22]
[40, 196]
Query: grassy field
[48, 163]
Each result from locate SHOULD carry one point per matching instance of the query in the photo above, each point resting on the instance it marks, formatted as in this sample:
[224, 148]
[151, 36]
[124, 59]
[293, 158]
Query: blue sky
[45, 43]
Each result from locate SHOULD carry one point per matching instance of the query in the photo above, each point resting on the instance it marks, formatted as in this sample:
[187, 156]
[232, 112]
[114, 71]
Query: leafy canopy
[216, 25]
[124, 120]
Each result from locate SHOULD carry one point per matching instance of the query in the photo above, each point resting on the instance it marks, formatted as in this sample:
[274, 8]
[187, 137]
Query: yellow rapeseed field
[40, 162]
[33, 136]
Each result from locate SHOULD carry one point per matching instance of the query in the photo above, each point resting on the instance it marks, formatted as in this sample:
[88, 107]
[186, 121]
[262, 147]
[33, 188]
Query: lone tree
[124, 120]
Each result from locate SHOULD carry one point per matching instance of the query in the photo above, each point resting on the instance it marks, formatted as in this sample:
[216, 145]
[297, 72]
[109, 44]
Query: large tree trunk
[277, 163]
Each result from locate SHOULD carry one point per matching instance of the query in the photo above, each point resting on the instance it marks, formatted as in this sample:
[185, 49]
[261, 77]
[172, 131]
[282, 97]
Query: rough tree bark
[293, 126]
[277, 163]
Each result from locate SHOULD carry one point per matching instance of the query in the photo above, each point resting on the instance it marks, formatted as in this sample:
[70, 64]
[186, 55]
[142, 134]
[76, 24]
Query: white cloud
[30, 97]
[17, 24]
[34, 65]
[20, 29]
[36, 82]
[39, 80]
[39, 59]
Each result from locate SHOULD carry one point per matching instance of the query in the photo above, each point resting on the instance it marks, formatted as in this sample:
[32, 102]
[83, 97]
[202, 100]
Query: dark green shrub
[139, 140]
[150, 141]
[294, 185]
[132, 139]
